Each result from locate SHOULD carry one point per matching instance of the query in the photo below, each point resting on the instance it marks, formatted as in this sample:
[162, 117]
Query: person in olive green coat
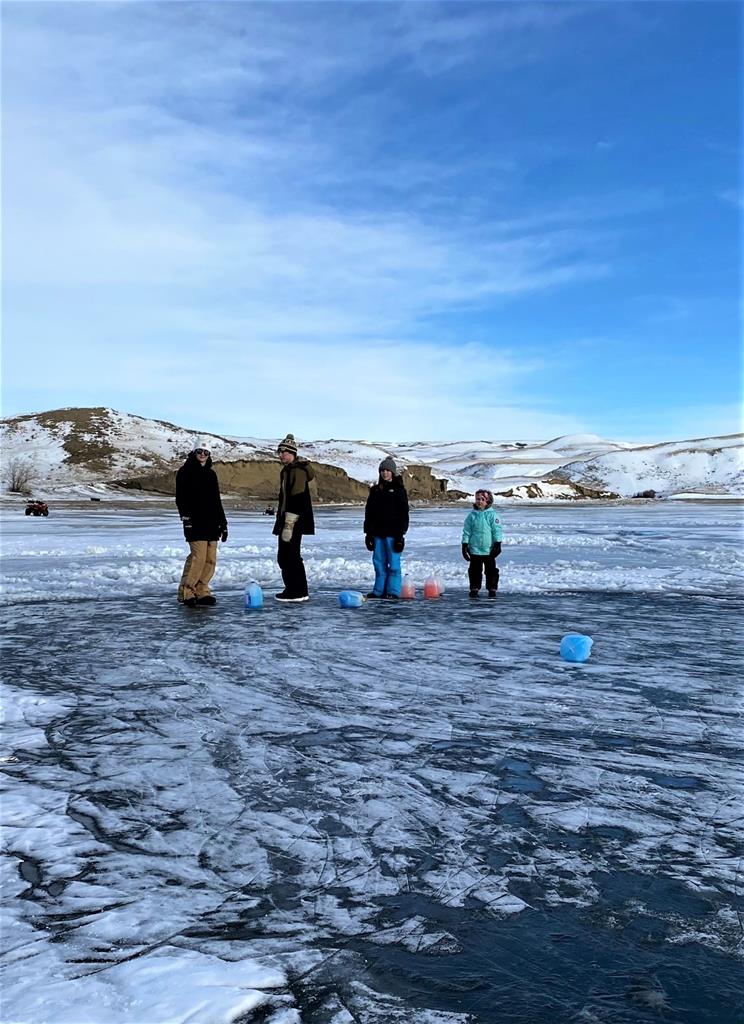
[481, 544]
[294, 519]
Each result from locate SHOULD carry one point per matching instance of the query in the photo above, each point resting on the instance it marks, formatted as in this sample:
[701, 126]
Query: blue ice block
[351, 599]
[576, 647]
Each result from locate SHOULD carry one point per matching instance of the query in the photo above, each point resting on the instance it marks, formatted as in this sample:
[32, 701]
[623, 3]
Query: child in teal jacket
[481, 544]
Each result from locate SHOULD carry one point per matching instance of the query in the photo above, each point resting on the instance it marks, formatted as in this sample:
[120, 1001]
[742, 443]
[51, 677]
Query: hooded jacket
[198, 499]
[481, 530]
[386, 511]
[294, 496]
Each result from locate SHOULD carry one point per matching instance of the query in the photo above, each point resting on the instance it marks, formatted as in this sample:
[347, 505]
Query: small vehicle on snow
[37, 508]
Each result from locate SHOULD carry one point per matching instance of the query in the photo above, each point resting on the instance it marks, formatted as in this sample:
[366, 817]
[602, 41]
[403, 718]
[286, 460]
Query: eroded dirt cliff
[259, 479]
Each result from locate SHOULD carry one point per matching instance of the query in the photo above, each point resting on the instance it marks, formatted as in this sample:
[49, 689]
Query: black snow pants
[475, 572]
[289, 558]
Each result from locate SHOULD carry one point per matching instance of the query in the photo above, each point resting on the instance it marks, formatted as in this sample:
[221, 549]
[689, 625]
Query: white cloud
[378, 389]
[183, 222]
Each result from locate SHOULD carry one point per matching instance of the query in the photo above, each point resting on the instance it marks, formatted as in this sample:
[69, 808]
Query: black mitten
[223, 538]
[466, 552]
[398, 544]
[496, 549]
[369, 542]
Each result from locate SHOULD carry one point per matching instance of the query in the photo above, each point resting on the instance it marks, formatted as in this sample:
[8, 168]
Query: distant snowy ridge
[85, 450]
[709, 465]
[713, 465]
[69, 447]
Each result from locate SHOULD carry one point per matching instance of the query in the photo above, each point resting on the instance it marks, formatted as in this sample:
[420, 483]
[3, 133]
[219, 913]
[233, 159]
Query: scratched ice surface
[410, 813]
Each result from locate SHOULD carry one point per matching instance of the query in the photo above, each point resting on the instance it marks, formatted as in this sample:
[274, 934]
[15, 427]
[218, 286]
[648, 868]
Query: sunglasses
[201, 451]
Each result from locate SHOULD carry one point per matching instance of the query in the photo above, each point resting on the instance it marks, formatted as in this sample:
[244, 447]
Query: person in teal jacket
[481, 544]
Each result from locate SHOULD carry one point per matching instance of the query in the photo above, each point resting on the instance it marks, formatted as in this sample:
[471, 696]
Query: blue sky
[376, 220]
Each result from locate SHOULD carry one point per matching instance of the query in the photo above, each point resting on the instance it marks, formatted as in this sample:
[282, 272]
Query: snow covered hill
[707, 465]
[90, 447]
[713, 465]
[85, 450]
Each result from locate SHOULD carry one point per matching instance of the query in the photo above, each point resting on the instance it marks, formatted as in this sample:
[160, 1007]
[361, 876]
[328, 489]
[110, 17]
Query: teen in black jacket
[385, 525]
[204, 523]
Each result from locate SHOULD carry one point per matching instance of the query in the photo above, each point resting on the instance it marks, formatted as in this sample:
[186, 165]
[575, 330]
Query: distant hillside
[89, 451]
[96, 450]
[706, 465]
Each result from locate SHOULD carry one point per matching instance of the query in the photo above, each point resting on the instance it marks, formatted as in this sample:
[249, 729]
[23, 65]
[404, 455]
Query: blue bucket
[576, 647]
[253, 596]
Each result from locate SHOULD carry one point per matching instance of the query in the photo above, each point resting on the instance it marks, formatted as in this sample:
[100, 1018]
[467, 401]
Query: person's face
[481, 500]
[201, 456]
[387, 475]
[286, 457]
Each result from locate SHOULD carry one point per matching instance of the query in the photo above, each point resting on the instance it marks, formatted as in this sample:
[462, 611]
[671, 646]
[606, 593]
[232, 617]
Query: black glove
[369, 542]
[496, 549]
[223, 537]
[398, 544]
[466, 552]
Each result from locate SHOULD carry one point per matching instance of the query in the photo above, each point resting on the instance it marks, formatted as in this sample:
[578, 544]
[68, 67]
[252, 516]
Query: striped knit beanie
[288, 445]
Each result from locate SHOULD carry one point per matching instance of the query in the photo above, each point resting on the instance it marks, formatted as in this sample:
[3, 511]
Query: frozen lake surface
[408, 812]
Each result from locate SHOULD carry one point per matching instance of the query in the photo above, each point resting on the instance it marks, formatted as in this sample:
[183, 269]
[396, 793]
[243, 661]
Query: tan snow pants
[198, 569]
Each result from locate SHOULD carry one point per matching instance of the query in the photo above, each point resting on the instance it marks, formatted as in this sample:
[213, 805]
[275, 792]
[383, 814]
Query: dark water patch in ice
[611, 741]
[513, 814]
[350, 735]
[675, 781]
[560, 966]
[664, 697]
[332, 825]
[663, 895]
[518, 777]
[30, 871]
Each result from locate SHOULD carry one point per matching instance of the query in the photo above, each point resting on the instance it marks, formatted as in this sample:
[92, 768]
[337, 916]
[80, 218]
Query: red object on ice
[431, 588]
[407, 591]
[37, 508]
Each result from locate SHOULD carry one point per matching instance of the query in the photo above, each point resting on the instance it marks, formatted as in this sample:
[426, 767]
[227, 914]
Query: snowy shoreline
[140, 499]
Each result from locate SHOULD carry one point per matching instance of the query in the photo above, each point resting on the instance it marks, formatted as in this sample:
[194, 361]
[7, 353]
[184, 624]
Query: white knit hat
[202, 443]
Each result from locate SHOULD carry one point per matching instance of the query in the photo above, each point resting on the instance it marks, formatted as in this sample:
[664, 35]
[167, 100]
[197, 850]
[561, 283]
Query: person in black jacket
[294, 519]
[385, 524]
[204, 523]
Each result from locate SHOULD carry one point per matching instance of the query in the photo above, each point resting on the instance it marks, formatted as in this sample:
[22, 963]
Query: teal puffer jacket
[481, 531]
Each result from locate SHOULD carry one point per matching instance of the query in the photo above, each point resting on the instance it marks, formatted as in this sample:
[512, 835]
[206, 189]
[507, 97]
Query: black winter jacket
[386, 512]
[198, 498]
[294, 496]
